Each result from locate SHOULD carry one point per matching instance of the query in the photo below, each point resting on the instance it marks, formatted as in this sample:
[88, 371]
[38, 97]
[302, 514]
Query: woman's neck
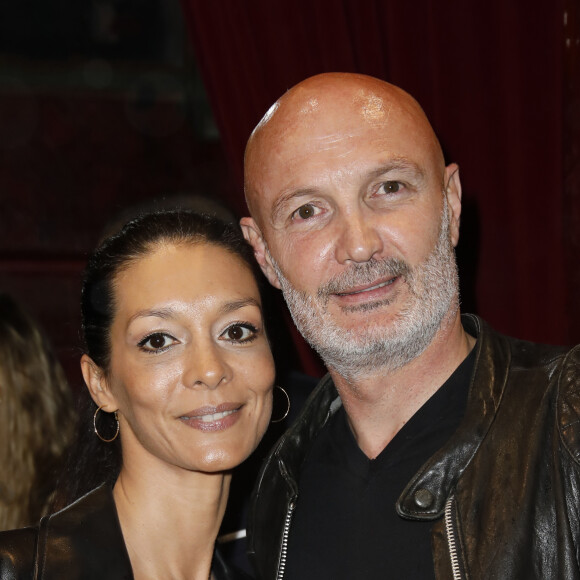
[170, 519]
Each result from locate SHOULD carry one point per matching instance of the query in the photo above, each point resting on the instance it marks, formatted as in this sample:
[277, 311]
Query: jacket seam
[459, 531]
[41, 539]
[561, 435]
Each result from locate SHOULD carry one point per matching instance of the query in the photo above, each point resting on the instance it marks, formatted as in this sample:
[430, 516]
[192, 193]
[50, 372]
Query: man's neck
[379, 403]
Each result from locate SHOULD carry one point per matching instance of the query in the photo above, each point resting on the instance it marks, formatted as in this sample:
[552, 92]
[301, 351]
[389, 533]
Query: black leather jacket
[503, 493]
[81, 542]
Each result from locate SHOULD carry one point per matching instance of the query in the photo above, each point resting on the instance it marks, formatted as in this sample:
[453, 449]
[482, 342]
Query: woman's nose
[206, 367]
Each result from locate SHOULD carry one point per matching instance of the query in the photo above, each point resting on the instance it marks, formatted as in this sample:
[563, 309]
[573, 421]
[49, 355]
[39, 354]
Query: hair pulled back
[137, 239]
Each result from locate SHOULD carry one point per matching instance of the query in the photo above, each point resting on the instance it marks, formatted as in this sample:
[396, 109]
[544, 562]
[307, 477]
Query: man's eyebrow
[285, 198]
[398, 165]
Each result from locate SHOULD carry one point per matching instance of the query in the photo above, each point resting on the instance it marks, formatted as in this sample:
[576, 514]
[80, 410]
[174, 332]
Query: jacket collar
[84, 540]
[295, 443]
[426, 494]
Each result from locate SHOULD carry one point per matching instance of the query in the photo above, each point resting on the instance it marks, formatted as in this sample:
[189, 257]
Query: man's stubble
[432, 298]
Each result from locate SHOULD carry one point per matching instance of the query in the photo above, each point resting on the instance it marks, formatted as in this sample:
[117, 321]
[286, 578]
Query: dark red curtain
[491, 76]
[572, 159]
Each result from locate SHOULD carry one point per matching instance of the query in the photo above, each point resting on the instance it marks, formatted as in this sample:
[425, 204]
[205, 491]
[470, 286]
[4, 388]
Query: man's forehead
[374, 126]
[332, 106]
[328, 111]
[331, 110]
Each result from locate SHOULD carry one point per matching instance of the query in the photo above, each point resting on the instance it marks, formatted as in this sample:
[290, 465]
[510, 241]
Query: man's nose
[359, 238]
[206, 367]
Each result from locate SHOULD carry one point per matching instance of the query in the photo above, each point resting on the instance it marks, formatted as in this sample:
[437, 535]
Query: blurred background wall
[107, 103]
[101, 107]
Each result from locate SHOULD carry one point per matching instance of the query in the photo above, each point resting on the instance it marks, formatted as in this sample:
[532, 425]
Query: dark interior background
[109, 103]
[101, 108]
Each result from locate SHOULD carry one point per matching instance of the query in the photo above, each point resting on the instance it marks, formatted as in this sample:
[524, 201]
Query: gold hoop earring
[97, 431]
[287, 409]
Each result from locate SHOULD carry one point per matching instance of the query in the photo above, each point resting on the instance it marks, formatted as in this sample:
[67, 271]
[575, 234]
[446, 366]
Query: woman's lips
[213, 418]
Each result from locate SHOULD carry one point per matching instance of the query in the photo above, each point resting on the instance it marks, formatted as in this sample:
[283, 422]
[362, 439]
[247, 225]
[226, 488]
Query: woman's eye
[240, 333]
[305, 211]
[390, 187]
[157, 342]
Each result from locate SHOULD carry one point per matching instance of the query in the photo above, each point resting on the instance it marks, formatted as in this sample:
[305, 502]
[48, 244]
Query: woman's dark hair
[92, 461]
[136, 240]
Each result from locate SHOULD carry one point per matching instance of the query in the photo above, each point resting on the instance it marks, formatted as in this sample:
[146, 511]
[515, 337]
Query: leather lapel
[84, 541]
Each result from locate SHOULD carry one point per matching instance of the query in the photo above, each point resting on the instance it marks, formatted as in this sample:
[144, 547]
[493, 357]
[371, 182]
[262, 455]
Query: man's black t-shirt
[345, 525]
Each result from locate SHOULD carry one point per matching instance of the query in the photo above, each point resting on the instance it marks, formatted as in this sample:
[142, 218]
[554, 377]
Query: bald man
[434, 447]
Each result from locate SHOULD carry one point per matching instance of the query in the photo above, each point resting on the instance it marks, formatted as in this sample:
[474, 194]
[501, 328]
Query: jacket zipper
[451, 539]
[285, 533]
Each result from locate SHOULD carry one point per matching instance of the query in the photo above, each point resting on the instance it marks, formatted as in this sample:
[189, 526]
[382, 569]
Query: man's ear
[453, 195]
[98, 385]
[253, 234]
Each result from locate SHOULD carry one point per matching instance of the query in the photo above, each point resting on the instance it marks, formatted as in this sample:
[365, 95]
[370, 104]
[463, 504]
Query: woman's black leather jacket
[84, 541]
[503, 493]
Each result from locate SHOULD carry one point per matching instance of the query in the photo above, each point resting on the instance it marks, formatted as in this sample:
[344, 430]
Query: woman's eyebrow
[237, 304]
[164, 313]
[167, 313]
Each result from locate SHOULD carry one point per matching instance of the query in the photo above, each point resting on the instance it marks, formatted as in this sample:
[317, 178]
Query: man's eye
[305, 212]
[156, 342]
[240, 333]
[390, 187]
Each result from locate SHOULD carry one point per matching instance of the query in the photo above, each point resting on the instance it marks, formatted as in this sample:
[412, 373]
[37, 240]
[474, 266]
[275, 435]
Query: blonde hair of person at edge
[355, 216]
[37, 417]
[179, 377]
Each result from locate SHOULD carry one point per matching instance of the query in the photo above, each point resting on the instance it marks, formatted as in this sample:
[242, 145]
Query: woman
[36, 417]
[180, 371]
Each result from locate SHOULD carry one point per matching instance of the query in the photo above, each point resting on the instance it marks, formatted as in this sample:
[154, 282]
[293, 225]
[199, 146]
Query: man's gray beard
[433, 296]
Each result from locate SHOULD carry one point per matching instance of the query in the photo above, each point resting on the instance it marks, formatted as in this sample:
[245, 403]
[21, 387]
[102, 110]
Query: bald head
[322, 111]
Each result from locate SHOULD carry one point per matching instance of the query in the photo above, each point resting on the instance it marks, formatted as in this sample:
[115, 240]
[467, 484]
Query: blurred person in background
[37, 417]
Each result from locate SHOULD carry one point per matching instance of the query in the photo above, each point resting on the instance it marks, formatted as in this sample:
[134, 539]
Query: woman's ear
[98, 385]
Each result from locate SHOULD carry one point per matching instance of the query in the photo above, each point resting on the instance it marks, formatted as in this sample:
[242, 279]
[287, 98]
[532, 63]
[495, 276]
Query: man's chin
[366, 307]
[362, 327]
[346, 340]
